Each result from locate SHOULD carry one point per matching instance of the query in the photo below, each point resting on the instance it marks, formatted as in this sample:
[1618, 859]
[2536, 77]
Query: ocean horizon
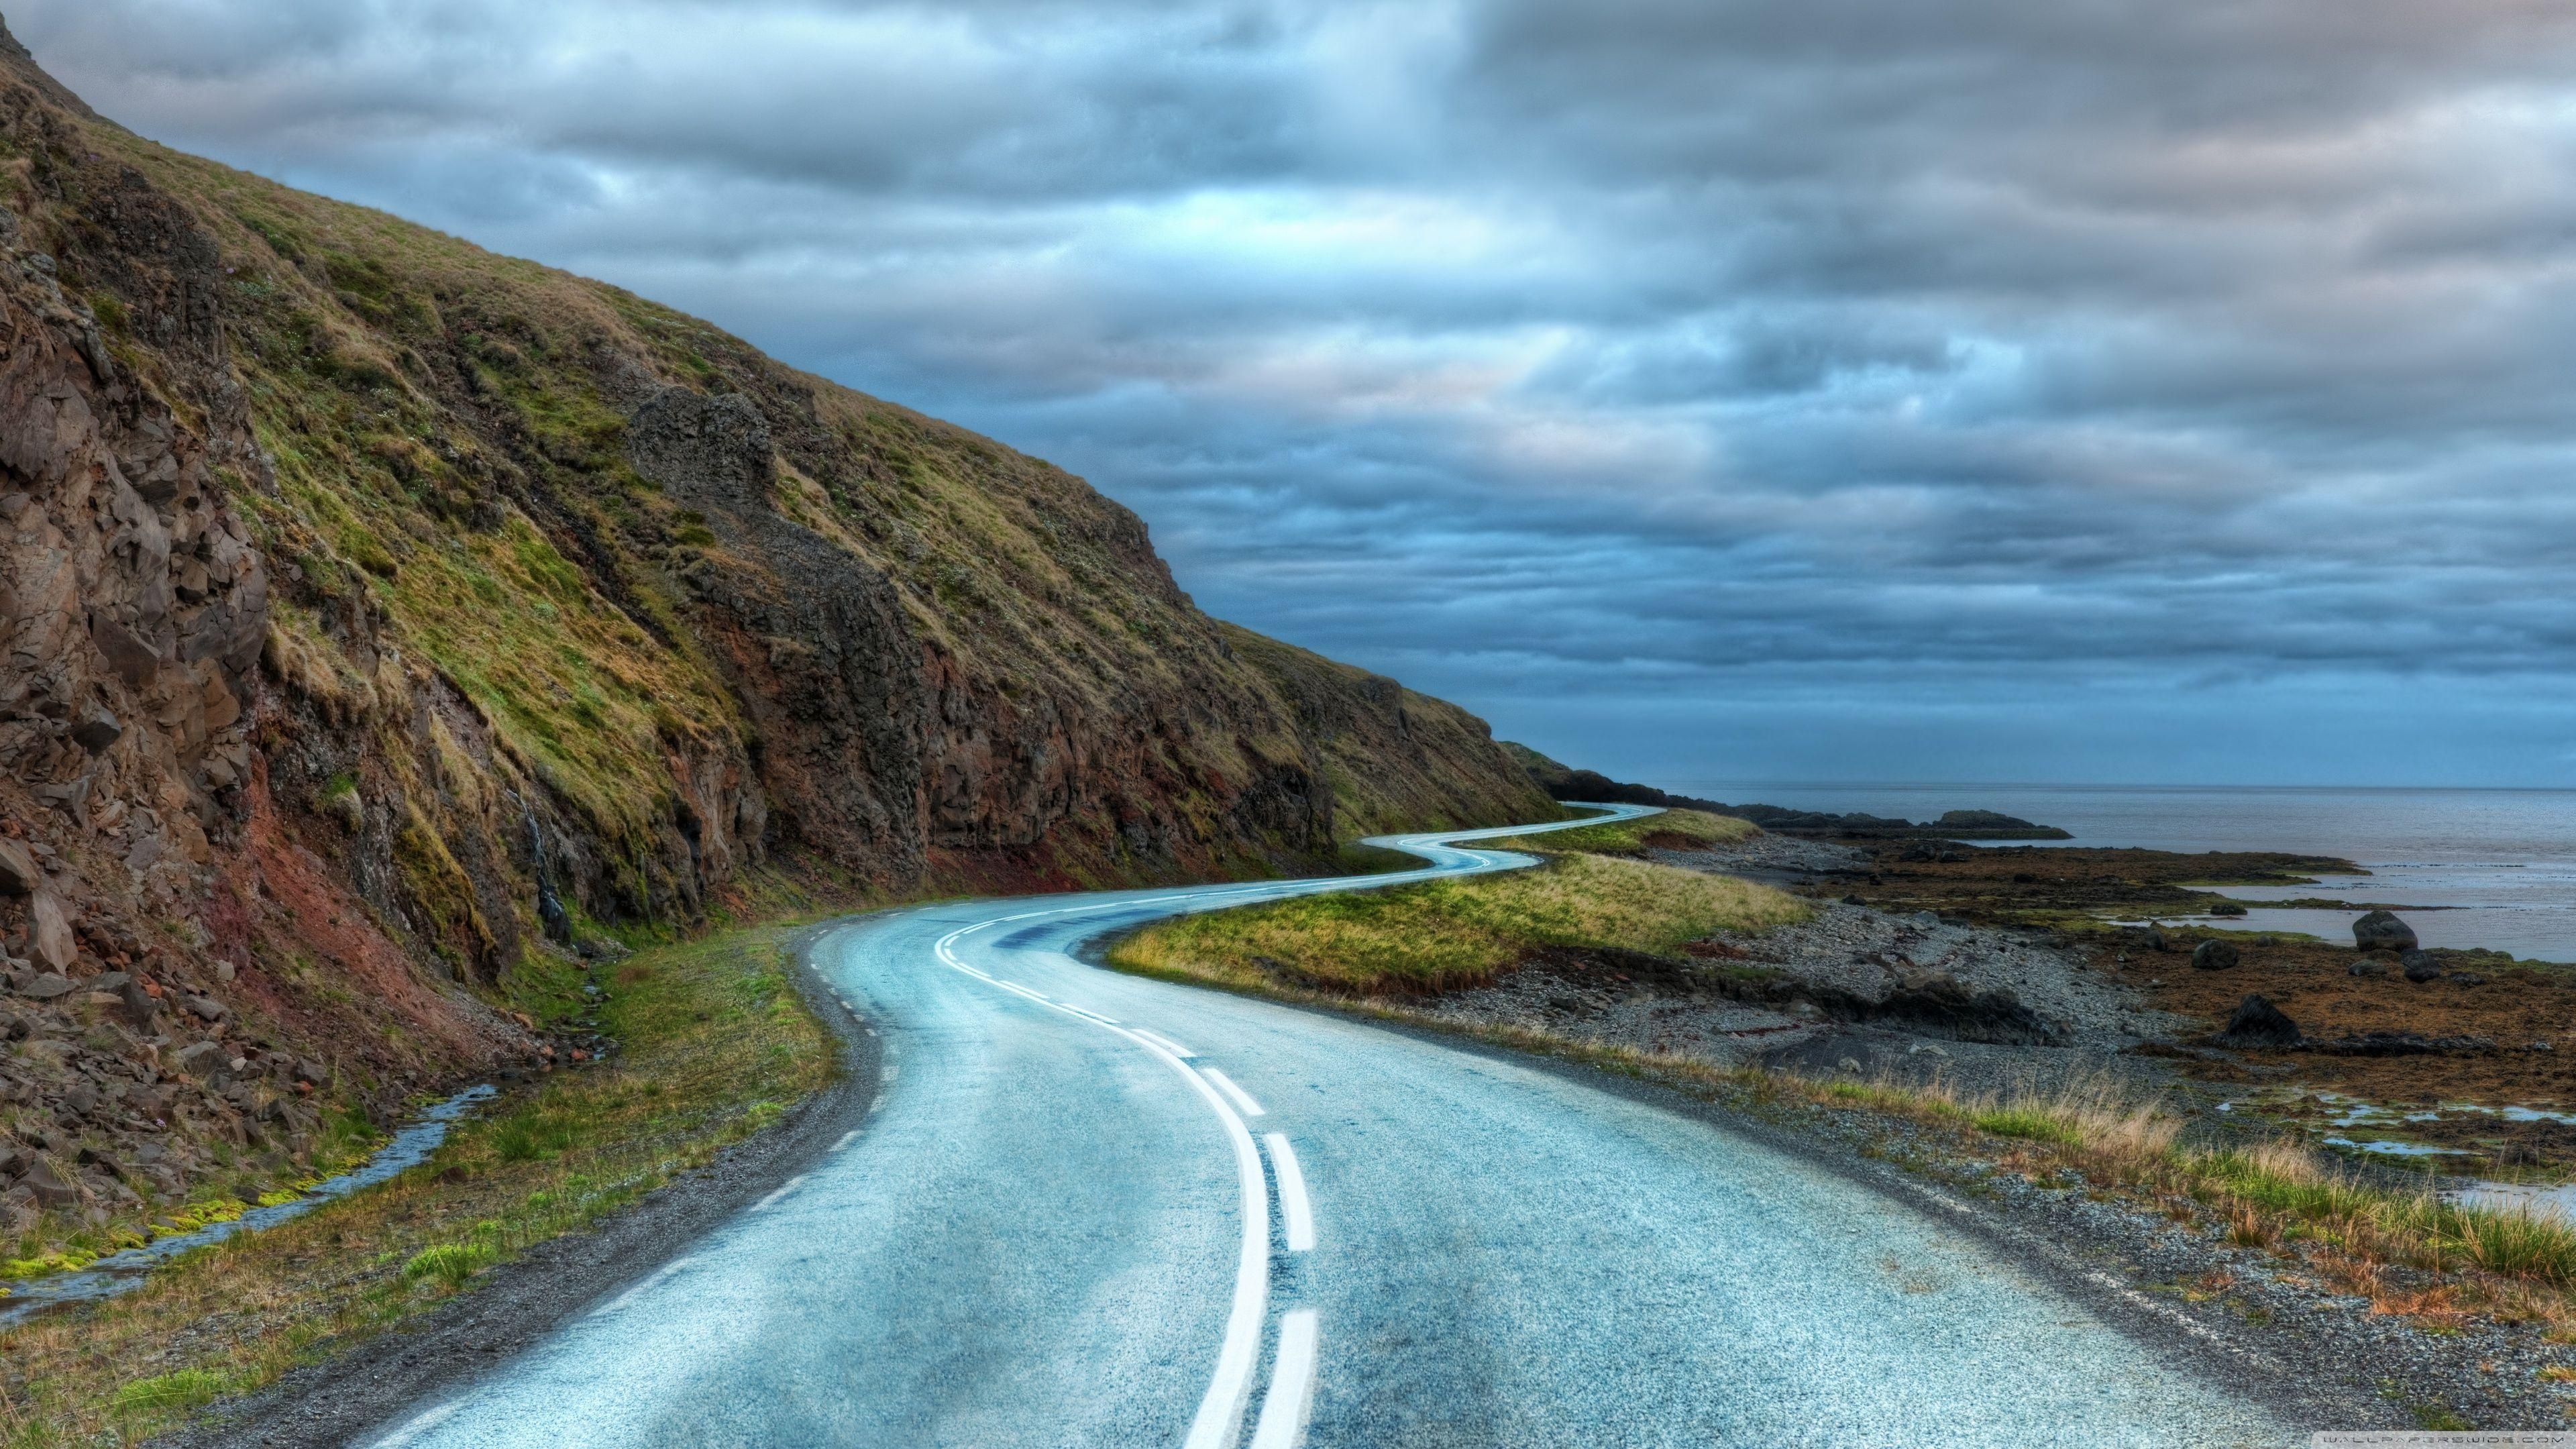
[2490, 867]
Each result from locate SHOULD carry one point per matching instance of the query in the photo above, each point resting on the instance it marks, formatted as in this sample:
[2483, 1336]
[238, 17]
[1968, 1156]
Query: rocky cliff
[380, 611]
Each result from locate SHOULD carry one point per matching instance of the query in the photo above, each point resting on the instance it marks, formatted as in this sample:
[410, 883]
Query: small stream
[122, 1271]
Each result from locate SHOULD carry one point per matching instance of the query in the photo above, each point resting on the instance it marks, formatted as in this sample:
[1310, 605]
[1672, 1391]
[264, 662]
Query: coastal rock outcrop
[2382, 931]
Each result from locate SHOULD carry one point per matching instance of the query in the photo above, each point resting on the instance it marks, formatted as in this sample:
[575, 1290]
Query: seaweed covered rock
[2258, 1023]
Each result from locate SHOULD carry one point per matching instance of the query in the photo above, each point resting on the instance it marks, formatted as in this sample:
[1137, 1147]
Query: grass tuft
[449, 1264]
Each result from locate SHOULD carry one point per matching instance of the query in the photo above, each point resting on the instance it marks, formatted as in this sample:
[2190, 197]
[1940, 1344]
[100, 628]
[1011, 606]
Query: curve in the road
[1058, 1229]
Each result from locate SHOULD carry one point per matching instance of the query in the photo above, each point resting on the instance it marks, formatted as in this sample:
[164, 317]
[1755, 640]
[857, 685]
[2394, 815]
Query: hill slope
[380, 607]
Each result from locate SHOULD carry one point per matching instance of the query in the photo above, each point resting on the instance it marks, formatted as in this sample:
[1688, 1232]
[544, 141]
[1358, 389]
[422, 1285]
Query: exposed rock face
[2383, 931]
[377, 609]
[812, 640]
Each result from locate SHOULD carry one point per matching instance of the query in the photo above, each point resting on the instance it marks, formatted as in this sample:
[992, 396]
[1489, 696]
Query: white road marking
[1219, 1421]
[1090, 1015]
[850, 1136]
[1292, 1383]
[782, 1190]
[1166, 1043]
[1242, 1098]
[631, 1294]
[419, 1426]
[1294, 1216]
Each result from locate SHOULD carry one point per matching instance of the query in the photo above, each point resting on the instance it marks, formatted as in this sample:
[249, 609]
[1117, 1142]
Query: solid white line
[631, 1294]
[1294, 1215]
[417, 1426]
[1292, 1384]
[1242, 1098]
[1166, 1043]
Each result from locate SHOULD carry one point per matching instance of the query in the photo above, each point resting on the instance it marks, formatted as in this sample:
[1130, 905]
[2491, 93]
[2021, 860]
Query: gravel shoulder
[519, 1302]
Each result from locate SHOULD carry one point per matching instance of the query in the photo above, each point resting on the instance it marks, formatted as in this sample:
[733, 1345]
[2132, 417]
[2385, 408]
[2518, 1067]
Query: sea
[2492, 869]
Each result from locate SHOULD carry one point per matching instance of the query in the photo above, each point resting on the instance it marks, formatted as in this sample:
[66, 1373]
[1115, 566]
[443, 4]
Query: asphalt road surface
[1091, 1209]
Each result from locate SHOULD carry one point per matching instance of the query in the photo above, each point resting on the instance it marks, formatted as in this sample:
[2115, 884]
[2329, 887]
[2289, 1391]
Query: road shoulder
[516, 1304]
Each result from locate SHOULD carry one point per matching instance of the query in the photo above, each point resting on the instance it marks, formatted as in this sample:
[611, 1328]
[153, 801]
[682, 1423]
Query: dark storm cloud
[2073, 377]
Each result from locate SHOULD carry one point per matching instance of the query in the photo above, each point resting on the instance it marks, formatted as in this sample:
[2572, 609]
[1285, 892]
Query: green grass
[717, 1045]
[1442, 934]
[449, 1264]
[1672, 830]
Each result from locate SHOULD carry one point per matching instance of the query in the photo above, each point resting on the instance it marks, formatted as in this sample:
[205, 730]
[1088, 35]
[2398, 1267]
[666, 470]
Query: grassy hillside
[1395, 760]
[389, 617]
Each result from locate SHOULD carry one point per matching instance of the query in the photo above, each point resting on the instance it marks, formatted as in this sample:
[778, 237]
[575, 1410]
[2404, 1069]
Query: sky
[1995, 390]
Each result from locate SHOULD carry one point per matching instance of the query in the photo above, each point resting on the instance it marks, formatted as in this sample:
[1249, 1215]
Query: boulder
[19, 874]
[2258, 1023]
[205, 1059]
[2382, 931]
[2376, 968]
[51, 986]
[50, 938]
[97, 730]
[204, 1008]
[2215, 956]
[52, 1187]
[2420, 965]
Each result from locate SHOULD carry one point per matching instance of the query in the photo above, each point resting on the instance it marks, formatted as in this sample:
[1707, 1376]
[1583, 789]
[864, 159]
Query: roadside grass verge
[715, 1046]
[2345, 1228]
[1672, 830]
[1444, 934]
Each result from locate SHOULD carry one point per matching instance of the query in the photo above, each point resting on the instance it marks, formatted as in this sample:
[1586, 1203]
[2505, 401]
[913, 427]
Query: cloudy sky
[1995, 390]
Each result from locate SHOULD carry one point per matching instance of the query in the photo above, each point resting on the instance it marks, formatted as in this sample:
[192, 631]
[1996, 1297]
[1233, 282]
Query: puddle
[121, 1271]
[2397, 1149]
[2541, 1199]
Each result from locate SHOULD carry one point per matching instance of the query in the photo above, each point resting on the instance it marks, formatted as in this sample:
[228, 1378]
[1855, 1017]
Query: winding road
[1092, 1209]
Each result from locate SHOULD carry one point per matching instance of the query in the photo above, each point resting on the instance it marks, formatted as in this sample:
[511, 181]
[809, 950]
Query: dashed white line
[782, 1190]
[1166, 1043]
[850, 1136]
[1242, 1098]
[1292, 1384]
[1295, 1217]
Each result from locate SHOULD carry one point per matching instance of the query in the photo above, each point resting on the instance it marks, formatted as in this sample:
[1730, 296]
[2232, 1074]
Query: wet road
[1091, 1209]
